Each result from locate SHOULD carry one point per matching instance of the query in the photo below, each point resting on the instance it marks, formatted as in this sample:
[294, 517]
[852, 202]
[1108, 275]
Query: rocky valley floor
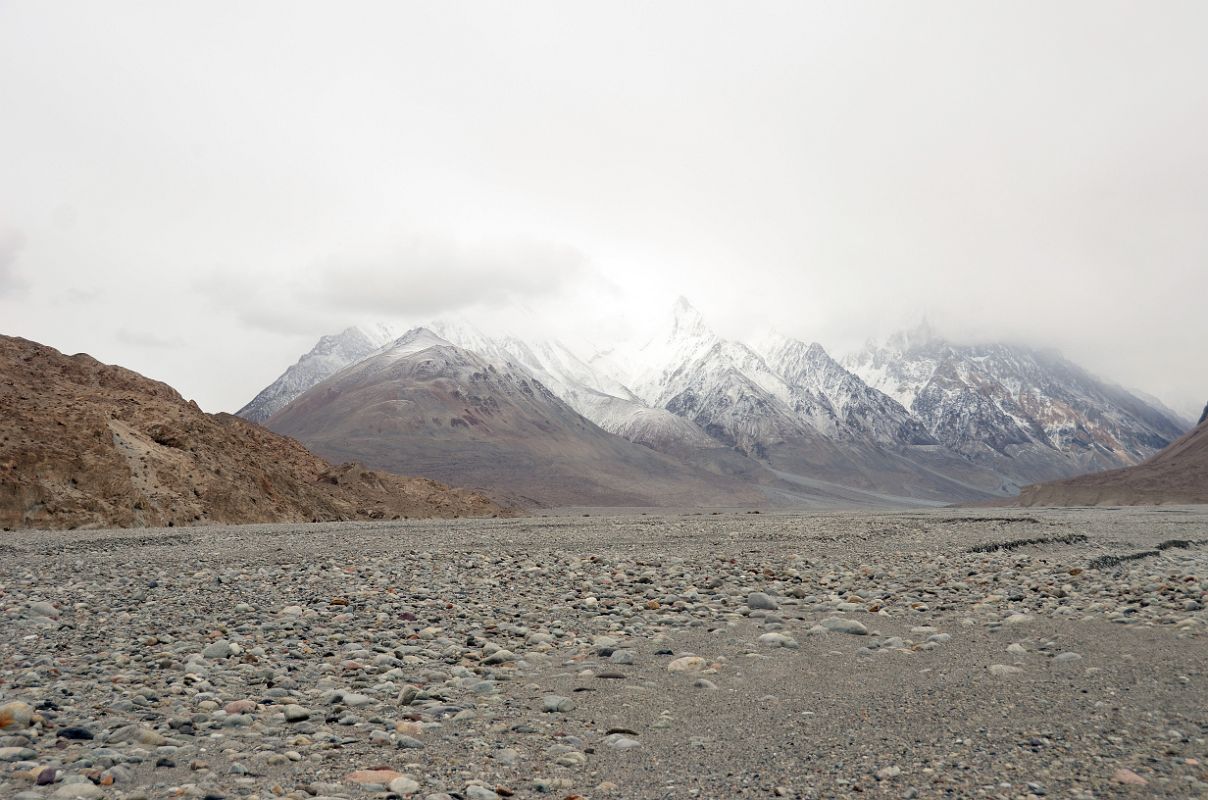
[922, 654]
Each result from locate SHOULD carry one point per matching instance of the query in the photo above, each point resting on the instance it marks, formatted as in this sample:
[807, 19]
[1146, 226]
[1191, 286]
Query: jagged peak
[350, 335]
[1203, 416]
[457, 330]
[686, 320]
[372, 334]
[416, 340]
[817, 351]
[920, 336]
[774, 341]
[773, 344]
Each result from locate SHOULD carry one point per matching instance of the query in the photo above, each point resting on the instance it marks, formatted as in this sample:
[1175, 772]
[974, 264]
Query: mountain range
[424, 406]
[714, 421]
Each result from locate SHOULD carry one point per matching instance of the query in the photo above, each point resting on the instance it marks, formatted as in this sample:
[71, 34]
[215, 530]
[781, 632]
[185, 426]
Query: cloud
[11, 244]
[268, 307]
[148, 339]
[422, 277]
[432, 276]
[75, 294]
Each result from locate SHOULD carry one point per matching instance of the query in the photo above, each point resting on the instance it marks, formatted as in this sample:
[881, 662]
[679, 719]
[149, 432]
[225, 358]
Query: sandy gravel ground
[990, 653]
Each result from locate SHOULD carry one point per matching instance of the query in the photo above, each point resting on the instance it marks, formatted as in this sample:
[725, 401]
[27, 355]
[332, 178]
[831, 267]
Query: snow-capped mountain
[598, 396]
[916, 417]
[724, 386]
[795, 411]
[1003, 403]
[652, 370]
[733, 408]
[787, 383]
[332, 354]
[859, 411]
[422, 405]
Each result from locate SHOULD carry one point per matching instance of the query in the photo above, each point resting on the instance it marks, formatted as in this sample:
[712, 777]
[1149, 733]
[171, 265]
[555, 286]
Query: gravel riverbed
[950, 653]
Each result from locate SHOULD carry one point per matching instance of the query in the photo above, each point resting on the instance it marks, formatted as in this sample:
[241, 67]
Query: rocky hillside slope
[1177, 475]
[84, 444]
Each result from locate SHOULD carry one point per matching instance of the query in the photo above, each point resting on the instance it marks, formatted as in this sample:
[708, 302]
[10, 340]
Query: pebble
[844, 625]
[217, 650]
[759, 600]
[17, 754]
[553, 703]
[75, 733]
[275, 668]
[44, 609]
[404, 785]
[687, 664]
[1128, 777]
[16, 715]
[78, 791]
[621, 742]
[296, 713]
[374, 777]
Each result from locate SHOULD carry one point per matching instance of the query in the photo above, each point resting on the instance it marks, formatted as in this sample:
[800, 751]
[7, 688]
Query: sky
[198, 191]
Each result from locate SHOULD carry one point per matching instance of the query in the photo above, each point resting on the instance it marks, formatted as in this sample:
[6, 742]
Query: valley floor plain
[946, 653]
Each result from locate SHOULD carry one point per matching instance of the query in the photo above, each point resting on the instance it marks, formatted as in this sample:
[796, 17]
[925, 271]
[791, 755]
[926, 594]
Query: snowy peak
[921, 337]
[463, 334]
[1015, 402]
[724, 401]
[651, 371]
[996, 415]
[552, 363]
[331, 354]
[687, 322]
[860, 412]
[415, 341]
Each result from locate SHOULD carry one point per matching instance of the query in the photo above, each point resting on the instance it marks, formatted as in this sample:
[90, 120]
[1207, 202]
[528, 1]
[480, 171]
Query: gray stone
[844, 625]
[761, 601]
[296, 713]
[217, 650]
[553, 703]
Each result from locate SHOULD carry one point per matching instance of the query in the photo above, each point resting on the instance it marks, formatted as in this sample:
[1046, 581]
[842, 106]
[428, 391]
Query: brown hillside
[1176, 475]
[84, 444]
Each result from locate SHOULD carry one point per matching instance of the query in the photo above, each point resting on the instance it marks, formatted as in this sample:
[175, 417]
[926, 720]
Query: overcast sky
[199, 190]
